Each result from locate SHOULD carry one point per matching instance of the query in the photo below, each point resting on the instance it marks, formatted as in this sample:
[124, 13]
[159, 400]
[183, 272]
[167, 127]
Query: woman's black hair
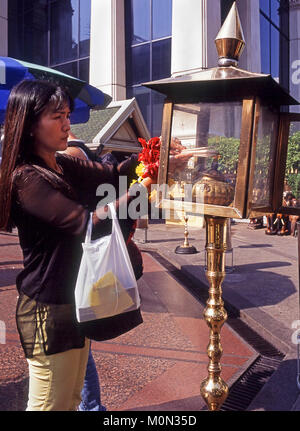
[27, 101]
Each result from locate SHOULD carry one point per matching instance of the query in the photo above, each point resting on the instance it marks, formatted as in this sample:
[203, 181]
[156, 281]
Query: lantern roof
[227, 82]
[221, 84]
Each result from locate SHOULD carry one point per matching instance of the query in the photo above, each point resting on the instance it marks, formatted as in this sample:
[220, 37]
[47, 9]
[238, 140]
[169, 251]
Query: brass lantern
[225, 138]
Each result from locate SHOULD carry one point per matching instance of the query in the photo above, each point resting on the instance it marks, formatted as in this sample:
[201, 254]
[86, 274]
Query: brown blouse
[51, 212]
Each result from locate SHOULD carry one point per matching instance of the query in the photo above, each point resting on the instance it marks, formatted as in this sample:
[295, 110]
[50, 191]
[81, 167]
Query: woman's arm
[76, 152]
[39, 198]
[89, 175]
[86, 173]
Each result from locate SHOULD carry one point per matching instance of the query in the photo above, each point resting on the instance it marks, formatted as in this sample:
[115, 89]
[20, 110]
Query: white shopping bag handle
[115, 223]
[89, 230]
[114, 218]
[113, 212]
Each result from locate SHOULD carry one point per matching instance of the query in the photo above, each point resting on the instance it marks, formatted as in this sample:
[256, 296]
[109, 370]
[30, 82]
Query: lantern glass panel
[263, 178]
[210, 134]
[292, 172]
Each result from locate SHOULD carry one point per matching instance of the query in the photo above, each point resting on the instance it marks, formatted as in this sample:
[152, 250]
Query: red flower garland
[150, 156]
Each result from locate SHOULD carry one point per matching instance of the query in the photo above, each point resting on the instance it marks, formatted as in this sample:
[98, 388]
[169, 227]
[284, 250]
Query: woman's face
[50, 134]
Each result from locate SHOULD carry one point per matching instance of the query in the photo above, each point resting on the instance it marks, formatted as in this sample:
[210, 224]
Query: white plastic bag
[106, 284]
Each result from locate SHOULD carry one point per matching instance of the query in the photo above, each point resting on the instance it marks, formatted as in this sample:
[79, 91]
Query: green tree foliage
[292, 174]
[228, 148]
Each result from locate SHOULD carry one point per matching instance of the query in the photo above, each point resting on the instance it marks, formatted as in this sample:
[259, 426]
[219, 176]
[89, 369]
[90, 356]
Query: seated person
[294, 218]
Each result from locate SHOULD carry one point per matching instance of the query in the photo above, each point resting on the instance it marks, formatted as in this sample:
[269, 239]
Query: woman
[91, 392]
[48, 197]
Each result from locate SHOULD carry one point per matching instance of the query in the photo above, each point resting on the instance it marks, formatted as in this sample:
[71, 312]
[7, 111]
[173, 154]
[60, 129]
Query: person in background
[48, 196]
[77, 148]
[256, 223]
[279, 224]
[271, 228]
[283, 220]
[294, 219]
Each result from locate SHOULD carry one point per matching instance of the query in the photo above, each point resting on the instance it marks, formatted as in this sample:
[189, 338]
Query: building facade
[119, 44]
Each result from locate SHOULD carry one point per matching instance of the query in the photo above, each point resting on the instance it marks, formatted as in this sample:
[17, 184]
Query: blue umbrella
[85, 96]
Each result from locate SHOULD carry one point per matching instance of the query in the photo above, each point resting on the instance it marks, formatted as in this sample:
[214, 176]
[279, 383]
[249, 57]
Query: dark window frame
[283, 31]
[55, 65]
[130, 88]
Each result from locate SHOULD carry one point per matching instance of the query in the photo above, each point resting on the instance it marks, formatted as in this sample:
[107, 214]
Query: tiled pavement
[158, 366]
[263, 291]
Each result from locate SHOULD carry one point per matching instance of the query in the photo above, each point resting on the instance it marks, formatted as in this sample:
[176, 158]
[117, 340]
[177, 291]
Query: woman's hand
[177, 160]
[176, 147]
[147, 182]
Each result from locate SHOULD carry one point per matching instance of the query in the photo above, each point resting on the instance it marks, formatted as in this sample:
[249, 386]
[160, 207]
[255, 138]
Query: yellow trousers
[56, 381]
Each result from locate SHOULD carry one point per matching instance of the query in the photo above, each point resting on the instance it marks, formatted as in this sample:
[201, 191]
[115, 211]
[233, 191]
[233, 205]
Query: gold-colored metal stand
[213, 389]
[186, 248]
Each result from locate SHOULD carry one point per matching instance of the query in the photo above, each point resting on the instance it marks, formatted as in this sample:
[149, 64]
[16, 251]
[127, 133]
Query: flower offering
[148, 158]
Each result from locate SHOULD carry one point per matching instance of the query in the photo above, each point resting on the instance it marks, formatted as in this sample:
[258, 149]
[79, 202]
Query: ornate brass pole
[186, 231]
[230, 44]
[213, 389]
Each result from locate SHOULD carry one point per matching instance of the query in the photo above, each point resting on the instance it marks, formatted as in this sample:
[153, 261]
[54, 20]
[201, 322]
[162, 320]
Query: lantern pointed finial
[230, 40]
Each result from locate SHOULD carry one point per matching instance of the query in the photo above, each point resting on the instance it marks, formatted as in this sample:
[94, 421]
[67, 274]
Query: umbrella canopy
[85, 96]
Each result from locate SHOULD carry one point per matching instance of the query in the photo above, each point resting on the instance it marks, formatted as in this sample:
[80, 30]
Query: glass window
[161, 18]
[68, 68]
[15, 29]
[84, 69]
[213, 148]
[274, 53]
[64, 16]
[148, 54]
[140, 66]
[265, 6]
[14, 9]
[161, 59]
[36, 35]
[265, 45]
[84, 28]
[142, 95]
[157, 111]
[274, 27]
[140, 20]
[51, 33]
[275, 5]
[264, 157]
[31, 4]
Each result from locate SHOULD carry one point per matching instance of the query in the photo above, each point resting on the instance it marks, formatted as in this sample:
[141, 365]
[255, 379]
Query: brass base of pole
[214, 392]
[186, 248]
[181, 249]
[213, 389]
